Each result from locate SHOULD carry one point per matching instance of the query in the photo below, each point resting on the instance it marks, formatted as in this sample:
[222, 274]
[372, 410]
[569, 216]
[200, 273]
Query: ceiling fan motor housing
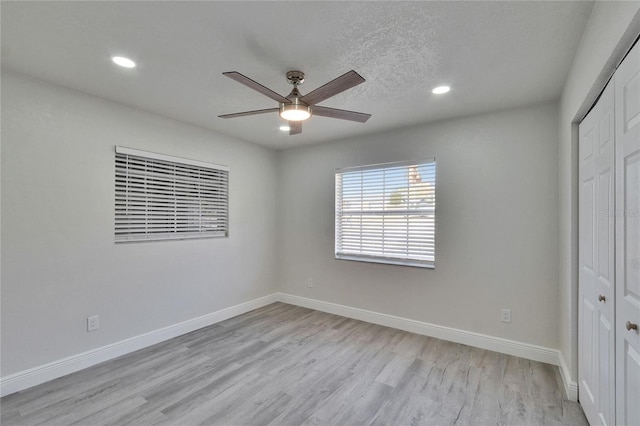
[299, 110]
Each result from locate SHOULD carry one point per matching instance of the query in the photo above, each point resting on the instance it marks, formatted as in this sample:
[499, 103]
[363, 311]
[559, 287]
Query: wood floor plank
[395, 370]
[287, 365]
[337, 407]
[397, 407]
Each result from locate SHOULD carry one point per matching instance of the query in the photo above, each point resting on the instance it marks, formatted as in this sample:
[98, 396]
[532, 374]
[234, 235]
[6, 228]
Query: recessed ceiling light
[123, 62]
[285, 128]
[440, 90]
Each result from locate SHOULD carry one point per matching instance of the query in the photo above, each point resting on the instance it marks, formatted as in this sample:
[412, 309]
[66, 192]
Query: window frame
[426, 260]
[161, 197]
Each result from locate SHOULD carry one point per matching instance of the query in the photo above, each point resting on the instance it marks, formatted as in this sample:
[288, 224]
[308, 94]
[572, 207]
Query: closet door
[596, 262]
[627, 93]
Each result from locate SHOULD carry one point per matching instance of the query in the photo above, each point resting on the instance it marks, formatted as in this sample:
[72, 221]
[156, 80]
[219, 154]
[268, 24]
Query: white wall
[610, 31]
[497, 225]
[59, 261]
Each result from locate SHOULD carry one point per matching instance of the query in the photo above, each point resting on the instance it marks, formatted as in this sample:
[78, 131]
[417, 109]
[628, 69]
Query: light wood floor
[286, 365]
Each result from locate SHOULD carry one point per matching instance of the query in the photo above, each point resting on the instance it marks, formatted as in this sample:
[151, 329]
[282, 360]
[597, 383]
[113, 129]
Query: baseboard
[483, 341]
[35, 376]
[570, 387]
[497, 344]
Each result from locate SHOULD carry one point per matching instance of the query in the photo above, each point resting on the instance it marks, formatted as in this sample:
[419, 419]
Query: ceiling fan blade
[339, 85]
[295, 127]
[255, 86]
[342, 114]
[242, 114]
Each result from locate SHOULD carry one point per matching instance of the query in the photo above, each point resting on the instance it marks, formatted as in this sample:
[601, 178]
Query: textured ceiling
[495, 55]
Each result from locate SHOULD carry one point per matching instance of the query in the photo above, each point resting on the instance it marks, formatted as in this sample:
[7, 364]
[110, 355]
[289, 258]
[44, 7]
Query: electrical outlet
[309, 282]
[506, 315]
[93, 323]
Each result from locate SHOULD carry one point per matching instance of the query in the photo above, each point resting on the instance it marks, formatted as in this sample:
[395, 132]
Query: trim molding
[43, 373]
[570, 387]
[483, 341]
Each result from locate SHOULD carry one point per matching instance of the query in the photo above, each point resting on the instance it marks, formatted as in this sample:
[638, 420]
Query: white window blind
[386, 213]
[159, 197]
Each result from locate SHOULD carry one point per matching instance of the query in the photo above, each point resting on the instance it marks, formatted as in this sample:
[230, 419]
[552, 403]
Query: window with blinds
[386, 213]
[159, 197]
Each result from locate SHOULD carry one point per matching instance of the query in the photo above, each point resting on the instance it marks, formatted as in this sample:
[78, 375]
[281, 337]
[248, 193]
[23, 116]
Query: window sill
[388, 261]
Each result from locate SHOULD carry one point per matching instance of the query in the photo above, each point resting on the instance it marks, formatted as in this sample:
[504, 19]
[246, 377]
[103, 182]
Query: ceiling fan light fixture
[295, 112]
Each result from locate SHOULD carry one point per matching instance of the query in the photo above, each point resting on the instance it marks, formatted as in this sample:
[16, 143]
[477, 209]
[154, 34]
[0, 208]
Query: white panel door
[596, 262]
[627, 94]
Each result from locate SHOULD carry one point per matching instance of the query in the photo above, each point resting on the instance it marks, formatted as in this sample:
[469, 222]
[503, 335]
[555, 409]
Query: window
[159, 197]
[385, 213]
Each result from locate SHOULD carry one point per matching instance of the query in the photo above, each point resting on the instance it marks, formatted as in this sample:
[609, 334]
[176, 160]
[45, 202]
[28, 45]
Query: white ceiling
[495, 55]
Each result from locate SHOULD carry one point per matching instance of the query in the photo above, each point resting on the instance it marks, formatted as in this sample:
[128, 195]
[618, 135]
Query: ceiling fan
[295, 107]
